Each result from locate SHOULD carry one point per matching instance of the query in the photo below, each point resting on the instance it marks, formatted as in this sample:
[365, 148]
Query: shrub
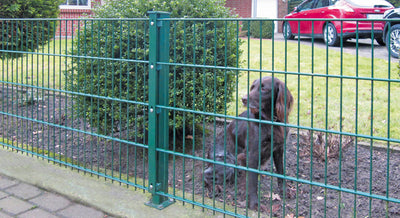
[395, 3]
[267, 28]
[293, 4]
[190, 87]
[26, 35]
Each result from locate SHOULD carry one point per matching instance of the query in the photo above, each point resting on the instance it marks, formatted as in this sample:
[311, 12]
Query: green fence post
[158, 118]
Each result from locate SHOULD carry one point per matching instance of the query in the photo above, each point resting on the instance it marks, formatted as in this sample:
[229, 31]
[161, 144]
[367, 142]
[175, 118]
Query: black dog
[248, 135]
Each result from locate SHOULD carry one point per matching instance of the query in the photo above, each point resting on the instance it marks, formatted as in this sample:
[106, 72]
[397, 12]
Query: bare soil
[46, 122]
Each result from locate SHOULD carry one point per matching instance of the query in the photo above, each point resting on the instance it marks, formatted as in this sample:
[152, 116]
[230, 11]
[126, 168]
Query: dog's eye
[263, 87]
[251, 87]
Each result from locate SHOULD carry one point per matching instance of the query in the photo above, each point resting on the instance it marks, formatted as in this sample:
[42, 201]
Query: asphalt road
[365, 48]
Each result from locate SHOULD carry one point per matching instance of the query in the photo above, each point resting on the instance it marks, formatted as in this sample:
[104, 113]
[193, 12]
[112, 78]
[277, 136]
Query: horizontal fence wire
[259, 124]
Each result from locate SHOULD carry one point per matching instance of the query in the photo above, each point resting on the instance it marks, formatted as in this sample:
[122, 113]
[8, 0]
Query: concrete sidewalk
[32, 187]
[19, 199]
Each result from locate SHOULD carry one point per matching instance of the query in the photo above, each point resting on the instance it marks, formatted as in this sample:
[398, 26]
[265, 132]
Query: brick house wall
[240, 7]
[282, 11]
[67, 27]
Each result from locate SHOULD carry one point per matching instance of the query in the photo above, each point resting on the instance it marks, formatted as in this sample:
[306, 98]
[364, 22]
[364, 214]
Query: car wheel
[330, 35]
[380, 41]
[393, 41]
[287, 31]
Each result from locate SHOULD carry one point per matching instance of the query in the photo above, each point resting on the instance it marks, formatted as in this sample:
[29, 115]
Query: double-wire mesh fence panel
[77, 101]
[223, 114]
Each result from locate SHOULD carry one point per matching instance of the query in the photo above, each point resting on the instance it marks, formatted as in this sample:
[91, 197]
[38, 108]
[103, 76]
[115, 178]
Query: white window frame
[89, 6]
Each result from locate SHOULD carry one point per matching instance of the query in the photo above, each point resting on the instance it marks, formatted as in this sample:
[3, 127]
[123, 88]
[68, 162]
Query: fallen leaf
[241, 203]
[264, 208]
[289, 215]
[276, 207]
[218, 188]
[276, 197]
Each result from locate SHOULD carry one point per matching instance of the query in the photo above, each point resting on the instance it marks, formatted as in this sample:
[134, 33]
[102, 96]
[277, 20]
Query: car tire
[393, 41]
[287, 31]
[380, 41]
[330, 35]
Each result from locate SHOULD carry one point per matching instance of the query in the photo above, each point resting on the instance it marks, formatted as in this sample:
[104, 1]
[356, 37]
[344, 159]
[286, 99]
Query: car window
[306, 5]
[322, 3]
[332, 2]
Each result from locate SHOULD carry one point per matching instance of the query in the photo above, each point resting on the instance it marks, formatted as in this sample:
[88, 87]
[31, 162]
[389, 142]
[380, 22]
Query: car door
[320, 11]
[302, 12]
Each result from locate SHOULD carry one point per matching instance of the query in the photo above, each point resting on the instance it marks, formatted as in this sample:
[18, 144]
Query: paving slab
[37, 212]
[24, 191]
[3, 194]
[3, 215]
[51, 202]
[6, 182]
[14, 205]
[80, 211]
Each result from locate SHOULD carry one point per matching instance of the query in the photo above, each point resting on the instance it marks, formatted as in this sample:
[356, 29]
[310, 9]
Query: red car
[332, 29]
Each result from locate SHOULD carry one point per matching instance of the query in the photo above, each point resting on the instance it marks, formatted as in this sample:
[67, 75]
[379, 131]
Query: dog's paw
[290, 192]
[275, 208]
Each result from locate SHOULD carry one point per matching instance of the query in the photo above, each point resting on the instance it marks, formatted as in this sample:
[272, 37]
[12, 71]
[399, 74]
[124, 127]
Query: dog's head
[216, 174]
[267, 92]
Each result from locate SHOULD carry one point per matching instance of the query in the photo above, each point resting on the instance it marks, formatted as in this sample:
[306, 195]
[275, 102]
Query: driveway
[350, 46]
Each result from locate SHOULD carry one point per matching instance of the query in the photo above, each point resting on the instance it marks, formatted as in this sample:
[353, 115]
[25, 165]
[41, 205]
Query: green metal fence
[151, 103]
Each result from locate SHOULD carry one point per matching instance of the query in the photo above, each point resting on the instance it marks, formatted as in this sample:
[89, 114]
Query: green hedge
[27, 35]
[395, 3]
[293, 3]
[263, 29]
[190, 88]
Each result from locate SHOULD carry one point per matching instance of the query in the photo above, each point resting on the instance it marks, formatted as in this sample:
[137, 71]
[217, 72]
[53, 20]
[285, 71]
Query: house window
[76, 4]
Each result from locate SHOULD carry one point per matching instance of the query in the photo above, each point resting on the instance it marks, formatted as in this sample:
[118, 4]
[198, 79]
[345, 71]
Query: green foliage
[191, 42]
[293, 4]
[263, 29]
[395, 3]
[26, 35]
[398, 69]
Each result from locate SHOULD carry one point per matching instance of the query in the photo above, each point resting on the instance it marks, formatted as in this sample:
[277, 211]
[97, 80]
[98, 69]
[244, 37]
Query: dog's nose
[244, 100]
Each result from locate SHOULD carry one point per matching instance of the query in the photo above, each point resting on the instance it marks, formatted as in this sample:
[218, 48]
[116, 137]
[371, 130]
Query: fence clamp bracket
[157, 110]
[164, 204]
[160, 206]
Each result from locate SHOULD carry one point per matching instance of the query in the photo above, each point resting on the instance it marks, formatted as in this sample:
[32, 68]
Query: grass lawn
[356, 104]
[41, 69]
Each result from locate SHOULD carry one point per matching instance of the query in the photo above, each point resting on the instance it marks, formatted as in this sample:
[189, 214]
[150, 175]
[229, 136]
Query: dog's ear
[284, 101]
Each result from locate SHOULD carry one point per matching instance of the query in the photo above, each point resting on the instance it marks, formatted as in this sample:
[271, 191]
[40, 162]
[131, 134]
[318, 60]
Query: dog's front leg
[254, 158]
[278, 161]
[253, 188]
